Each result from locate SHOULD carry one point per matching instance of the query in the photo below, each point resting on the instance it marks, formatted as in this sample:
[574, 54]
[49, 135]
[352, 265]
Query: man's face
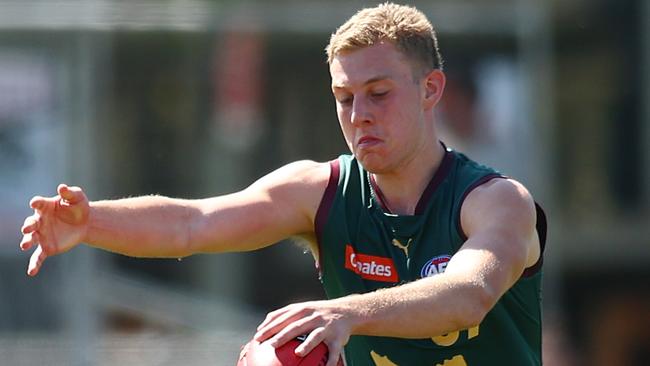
[379, 105]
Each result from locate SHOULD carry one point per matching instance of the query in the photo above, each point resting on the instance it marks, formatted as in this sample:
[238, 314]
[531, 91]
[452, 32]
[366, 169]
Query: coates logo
[370, 267]
[435, 266]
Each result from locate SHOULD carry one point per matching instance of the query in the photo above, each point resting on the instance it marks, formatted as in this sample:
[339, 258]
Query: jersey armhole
[540, 225]
[325, 206]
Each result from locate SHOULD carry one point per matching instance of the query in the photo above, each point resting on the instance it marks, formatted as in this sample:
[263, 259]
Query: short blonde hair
[405, 26]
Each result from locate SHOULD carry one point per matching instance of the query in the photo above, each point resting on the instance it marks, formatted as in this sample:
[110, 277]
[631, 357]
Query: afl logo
[435, 266]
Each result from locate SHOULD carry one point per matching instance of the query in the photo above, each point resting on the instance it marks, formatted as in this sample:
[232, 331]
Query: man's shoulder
[301, 178]
[503, 189]
[302, 173]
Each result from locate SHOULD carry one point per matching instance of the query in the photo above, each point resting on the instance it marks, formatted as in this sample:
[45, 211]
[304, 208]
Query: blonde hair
[405, 26]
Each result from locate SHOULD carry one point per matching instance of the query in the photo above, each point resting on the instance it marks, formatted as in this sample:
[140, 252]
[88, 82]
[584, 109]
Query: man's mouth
[367, 141]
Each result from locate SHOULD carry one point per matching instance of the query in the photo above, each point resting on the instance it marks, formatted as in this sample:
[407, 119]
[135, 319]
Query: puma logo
[403, 247]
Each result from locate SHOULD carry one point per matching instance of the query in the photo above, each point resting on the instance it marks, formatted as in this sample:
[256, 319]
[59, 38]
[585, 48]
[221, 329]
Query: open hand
[58, 224]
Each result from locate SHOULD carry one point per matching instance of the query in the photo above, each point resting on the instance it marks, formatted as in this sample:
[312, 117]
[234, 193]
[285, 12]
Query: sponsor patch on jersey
[435, 266]
[370, 267]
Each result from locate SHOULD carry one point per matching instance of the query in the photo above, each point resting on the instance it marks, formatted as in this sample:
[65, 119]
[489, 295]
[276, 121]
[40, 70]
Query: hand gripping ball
[263, 354]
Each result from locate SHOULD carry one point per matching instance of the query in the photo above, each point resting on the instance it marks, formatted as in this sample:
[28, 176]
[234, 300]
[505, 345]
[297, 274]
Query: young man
[427, 257]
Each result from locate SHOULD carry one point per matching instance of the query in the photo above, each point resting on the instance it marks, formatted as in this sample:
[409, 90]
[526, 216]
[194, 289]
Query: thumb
[70, 194]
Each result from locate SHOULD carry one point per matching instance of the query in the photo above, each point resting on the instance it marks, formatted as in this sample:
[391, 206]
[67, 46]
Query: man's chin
[372, 164]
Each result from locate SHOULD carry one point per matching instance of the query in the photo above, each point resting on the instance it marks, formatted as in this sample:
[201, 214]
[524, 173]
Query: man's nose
[360, 112]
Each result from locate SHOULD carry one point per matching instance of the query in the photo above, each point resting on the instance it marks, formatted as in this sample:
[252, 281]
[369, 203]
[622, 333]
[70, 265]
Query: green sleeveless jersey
[362, 248]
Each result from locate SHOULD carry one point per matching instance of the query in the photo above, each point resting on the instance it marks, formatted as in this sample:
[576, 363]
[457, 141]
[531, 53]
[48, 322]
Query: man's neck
[402, 189]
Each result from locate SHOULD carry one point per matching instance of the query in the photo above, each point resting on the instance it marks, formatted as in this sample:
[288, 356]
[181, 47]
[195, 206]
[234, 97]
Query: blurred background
[195, 98]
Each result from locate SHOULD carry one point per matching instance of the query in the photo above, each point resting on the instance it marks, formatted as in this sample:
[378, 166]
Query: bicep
[279, 205]
[499, 221]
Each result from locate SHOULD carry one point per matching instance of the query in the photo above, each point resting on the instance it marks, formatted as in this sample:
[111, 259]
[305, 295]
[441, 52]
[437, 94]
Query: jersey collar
[438, 177]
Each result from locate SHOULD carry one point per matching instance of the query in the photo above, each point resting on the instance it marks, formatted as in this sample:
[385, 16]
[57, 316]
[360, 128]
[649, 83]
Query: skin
[386, 118]
[277, 206]
[386, 114]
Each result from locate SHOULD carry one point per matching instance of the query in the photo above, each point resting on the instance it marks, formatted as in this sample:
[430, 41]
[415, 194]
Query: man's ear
[433, 85]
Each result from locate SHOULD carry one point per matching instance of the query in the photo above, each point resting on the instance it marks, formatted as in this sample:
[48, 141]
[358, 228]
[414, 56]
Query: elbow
[185, 242]
[482, 306]
[198, 233]
[176, 245]
[478, 304]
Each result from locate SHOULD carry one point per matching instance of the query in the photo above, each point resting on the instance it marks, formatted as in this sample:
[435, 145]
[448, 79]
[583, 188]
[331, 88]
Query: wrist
[87, 236]
[356, 312]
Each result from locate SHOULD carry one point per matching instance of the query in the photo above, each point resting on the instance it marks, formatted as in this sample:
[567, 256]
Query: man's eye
[345, 101]
[379, 94]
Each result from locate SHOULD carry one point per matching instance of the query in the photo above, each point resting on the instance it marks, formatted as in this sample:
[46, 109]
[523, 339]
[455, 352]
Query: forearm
[457, 299]
[420, 309]
[148, 226]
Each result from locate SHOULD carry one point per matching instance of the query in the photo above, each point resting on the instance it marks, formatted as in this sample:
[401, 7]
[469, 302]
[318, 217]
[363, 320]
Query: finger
[37, 202]
[244, 351]
[70, 194]
[275, 325]
[312, 340]
[271, 316]
[28, 241]
[30, 224]
[36, 261]
[292, 330]
[335, 353]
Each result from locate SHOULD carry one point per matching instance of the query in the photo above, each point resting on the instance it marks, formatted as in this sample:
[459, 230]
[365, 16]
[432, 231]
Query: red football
[263, 354]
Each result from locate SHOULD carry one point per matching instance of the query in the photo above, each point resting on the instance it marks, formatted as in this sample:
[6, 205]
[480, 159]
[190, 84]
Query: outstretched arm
[499, 221]
[277, 206]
